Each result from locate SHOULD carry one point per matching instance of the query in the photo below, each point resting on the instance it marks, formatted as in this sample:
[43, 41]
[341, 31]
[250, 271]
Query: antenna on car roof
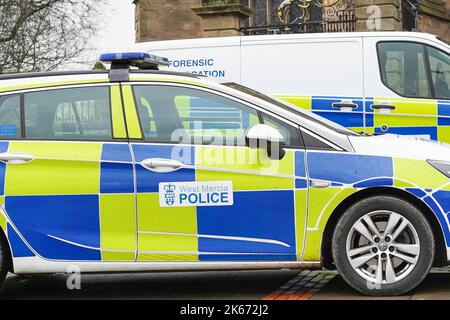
[122, 62]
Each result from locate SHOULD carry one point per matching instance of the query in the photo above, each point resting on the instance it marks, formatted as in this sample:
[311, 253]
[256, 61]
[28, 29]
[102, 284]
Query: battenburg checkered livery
[172, 171]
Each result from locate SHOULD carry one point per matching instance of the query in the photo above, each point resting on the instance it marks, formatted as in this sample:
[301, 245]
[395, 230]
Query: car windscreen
[292, 108]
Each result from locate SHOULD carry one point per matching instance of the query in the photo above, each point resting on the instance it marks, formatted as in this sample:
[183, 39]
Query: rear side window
[10, 127]
[68, 114]
[404, 68]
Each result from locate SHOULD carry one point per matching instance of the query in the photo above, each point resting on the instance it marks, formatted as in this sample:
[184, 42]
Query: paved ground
[236, 285]
[435, 287]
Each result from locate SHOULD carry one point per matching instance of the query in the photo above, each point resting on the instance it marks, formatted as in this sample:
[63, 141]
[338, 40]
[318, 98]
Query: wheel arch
[441, 248]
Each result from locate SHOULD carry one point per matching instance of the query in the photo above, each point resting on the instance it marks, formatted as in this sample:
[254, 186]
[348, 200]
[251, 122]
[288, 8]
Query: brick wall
[167, 19]
[378, 15]
[435, 17]
[434, 25]
[175, 19]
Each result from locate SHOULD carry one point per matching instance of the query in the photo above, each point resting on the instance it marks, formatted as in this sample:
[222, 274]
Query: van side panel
[298, 66]
[218, 58]
[313, 74]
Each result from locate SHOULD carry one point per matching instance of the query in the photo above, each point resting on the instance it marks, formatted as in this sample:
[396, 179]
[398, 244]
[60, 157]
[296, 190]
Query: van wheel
[383, 246]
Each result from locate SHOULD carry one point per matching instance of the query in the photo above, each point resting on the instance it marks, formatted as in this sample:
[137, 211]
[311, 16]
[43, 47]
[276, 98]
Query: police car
[145, 170]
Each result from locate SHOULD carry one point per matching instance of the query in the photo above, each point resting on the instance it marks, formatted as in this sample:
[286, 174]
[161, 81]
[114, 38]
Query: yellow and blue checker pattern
[264, 223]
[94, 218]
[410, 117]
[350, 173]
[423, 117]
[75, 201]
[83, 201]
[83, 207]
[323, 106]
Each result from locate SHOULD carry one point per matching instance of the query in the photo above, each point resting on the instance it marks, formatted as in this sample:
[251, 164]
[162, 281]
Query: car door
[439, 64]
[202, 194]
[407, 89]
[67, 174]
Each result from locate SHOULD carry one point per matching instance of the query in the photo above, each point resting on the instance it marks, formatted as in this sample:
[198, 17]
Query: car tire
[4, 259]
[404, 249]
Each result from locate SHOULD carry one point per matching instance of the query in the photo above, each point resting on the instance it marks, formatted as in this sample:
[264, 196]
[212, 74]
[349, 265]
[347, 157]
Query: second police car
[145, 170]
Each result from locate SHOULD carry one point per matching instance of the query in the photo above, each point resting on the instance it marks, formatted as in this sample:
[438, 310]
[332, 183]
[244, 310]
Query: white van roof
[238, 40]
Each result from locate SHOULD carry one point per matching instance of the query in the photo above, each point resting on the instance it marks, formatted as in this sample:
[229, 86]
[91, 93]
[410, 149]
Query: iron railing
[345, 22]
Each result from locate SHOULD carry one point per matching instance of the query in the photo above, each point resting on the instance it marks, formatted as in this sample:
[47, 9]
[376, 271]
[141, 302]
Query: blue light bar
[109, 57]
[141, 60]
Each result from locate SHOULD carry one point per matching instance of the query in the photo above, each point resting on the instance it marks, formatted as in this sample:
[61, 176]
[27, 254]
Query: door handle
[162, 165]
[15, 157]
[320, 184]
[345, 105]
[384, 107]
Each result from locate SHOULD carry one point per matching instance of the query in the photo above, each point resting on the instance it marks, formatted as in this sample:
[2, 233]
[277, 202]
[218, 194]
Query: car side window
[10, 124]
[68, 114]
[403, 68]
[440, 72]
[177, 114]
[314, 143]
[290, 134]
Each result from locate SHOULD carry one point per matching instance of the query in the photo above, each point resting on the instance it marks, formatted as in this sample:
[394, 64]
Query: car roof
[25, 75]
[32, 80]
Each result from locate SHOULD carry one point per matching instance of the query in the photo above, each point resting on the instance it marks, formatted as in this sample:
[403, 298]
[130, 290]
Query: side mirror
[262, 136]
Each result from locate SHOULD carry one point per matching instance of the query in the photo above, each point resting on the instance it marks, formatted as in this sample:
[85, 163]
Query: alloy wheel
[383, 247]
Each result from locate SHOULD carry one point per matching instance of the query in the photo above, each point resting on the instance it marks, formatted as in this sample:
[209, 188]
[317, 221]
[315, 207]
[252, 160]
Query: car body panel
[277, 220]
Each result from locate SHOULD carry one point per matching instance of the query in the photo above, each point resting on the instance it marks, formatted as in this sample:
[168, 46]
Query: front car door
[407, 88]
[202, 194]
[67, 174]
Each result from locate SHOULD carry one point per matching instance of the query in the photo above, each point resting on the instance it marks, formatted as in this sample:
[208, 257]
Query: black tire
[5, 258]
[406, 210]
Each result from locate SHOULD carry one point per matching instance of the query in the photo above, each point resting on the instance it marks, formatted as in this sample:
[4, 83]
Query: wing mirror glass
[264, 137]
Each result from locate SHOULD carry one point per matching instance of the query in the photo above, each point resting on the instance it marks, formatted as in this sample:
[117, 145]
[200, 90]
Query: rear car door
[407, 88]
[203, 195]
[67, 174]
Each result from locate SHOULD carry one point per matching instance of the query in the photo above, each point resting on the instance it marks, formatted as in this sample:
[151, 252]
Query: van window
[177, 114]
[403, 68]
[10, 127]
[68, 114]
[440, 72]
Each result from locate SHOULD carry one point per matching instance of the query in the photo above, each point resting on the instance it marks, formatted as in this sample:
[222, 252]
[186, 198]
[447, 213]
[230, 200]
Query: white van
[377, 82]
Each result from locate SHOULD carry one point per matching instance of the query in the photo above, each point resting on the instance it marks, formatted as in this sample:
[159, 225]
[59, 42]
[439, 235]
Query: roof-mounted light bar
[141, 60]
[122, 62]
